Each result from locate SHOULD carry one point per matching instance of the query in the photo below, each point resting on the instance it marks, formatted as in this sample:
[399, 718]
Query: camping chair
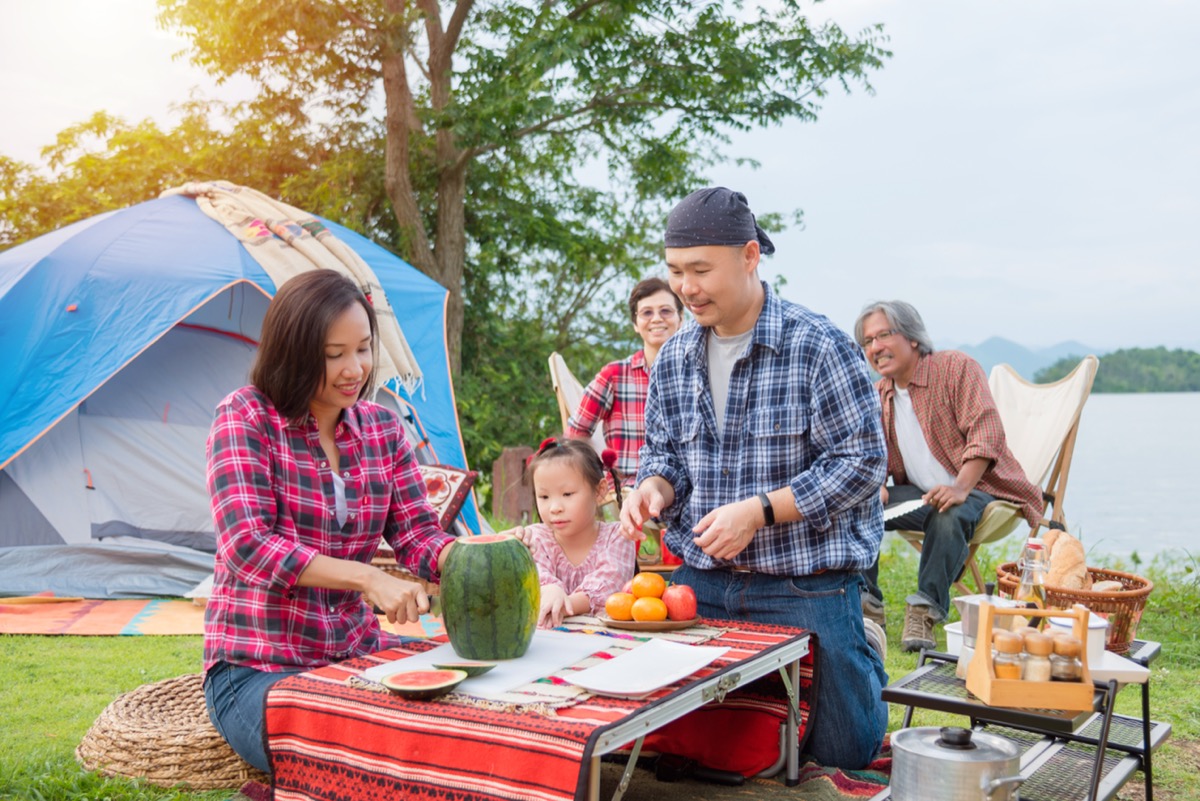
[1041, 422]
[569, 391]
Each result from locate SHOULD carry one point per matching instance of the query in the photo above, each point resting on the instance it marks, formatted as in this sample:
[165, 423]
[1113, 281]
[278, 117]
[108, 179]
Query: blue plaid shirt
[802, 413]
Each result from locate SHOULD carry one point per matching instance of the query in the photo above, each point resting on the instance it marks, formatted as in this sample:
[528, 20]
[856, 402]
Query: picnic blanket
[287, 241]
[42, 614]
[331, 739]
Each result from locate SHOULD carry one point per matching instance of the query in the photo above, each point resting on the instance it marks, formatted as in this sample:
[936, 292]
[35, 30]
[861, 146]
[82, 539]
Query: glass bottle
[1065, 664]
[1038, 647]
[1006, 655]
[1032, 589]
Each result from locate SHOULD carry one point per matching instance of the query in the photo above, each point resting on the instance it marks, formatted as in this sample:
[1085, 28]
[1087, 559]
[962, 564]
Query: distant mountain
[998, 350]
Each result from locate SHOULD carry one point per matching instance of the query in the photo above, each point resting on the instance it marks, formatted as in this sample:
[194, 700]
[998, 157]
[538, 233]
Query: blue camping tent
[120, 333]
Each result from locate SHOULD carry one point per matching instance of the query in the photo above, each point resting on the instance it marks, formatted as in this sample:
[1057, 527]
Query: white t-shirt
[339, 499]
[722, 353]
[924, 471]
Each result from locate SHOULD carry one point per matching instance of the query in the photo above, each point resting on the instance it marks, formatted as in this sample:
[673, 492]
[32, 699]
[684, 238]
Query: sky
[1024, 168]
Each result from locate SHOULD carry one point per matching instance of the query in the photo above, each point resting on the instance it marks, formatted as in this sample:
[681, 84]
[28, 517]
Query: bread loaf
[1068, 562]
[1108, 586]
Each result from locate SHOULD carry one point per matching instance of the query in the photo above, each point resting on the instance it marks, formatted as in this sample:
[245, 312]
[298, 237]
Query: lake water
[1135, 478]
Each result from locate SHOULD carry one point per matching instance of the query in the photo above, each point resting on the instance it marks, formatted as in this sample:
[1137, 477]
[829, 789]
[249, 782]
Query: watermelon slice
[422, 684]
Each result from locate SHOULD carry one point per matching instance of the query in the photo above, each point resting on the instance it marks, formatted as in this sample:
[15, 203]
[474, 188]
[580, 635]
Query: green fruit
[490, 597]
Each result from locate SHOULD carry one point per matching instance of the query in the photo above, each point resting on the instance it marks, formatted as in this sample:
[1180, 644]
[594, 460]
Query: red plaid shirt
[616, 397]
[959, 419]
[273, 507]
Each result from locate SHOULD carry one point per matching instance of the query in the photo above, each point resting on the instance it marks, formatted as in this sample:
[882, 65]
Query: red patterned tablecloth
[333, 741]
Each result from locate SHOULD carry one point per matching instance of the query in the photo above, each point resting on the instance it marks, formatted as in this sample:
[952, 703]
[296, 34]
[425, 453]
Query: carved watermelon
[490, 597]
[421, 684]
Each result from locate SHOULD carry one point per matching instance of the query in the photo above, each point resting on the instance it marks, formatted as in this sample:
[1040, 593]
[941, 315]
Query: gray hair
[904, 320]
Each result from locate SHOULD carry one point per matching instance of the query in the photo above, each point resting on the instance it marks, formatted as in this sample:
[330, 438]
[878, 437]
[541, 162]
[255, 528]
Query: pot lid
[954, 744]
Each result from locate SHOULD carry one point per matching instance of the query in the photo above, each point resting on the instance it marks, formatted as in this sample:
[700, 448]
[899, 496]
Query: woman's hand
[402, 601]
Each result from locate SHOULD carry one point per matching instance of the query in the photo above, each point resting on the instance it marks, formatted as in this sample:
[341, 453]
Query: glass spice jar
[1006, 655]
[1065, 664]
[1038, 648]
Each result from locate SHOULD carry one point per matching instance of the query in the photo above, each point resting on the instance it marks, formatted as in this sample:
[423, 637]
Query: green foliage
[1136, 370]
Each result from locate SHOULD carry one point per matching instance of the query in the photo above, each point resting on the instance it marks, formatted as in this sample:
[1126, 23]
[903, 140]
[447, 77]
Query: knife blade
[435, 605]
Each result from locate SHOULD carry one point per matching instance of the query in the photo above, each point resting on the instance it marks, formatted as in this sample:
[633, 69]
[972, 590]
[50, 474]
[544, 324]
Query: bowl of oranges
[648, 603]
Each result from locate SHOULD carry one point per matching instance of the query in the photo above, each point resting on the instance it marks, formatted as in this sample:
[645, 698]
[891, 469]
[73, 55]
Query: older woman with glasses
[617, 395]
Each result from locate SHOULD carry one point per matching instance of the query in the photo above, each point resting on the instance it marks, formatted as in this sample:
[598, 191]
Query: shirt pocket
[779, 443]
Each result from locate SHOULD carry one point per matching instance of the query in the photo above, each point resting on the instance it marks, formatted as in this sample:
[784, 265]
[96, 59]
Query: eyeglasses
[886, 333]
[667, 313]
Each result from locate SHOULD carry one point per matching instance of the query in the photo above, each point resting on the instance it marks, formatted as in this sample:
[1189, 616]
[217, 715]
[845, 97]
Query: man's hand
[641, 504]
[883, 494]
[727, 530]
[944, 496]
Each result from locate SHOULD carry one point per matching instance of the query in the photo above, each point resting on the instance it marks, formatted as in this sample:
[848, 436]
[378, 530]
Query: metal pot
[953, 764]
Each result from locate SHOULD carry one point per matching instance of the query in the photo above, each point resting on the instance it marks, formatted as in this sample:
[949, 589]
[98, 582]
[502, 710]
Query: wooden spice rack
[1068, 695]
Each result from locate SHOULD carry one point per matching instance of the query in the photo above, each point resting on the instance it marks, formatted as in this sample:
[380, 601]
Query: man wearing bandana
[764, 455]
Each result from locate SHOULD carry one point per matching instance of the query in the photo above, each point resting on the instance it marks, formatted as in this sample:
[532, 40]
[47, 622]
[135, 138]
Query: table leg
[1147, 770]
[793, 727]
[1110, 700]
[594, 780]
[627, 774]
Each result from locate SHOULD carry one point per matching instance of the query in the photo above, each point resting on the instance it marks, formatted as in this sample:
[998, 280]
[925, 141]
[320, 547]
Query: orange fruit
[618, 605]
[649, 609]
[649, 585]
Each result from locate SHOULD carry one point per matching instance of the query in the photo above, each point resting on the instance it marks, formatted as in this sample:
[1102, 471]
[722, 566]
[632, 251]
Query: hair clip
[547, 443]
[608, 457]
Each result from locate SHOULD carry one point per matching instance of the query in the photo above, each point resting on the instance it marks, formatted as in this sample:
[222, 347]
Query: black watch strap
[768, 510]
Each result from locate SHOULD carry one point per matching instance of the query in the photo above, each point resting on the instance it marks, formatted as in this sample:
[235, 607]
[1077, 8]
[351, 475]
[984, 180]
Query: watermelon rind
[472, 669]
[420, 685]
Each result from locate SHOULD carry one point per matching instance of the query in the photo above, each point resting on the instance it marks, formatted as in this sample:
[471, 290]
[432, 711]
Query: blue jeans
[848, 716]
[237, 704]
[944, 551]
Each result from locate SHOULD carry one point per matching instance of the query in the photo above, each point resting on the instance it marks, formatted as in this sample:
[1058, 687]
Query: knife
[435, 605]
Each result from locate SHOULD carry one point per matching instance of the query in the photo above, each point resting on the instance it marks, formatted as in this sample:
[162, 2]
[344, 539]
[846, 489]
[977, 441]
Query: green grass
[53, 688]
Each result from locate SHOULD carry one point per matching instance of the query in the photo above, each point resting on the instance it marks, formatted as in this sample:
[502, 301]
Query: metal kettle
[953, 764]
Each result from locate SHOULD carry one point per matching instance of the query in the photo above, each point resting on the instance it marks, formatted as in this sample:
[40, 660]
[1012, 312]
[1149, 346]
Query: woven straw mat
[161, 733]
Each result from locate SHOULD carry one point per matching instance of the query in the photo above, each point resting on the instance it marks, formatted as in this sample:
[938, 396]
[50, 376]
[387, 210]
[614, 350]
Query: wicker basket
[161, 733]
[1122, 608]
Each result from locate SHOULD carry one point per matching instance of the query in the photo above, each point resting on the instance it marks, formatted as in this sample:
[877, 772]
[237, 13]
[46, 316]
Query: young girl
[581, 561]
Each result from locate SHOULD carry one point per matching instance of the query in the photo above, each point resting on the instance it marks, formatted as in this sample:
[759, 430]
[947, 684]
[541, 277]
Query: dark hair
[583, 458]
[651, 286]
[290, 366]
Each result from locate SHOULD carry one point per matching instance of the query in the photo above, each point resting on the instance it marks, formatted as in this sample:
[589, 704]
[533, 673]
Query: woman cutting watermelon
[305, 477]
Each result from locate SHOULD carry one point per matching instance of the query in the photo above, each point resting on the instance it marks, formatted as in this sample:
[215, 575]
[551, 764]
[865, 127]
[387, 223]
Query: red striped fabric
[329, 740]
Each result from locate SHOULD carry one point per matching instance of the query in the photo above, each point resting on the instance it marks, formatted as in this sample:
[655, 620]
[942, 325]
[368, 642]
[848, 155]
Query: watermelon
[422, 684]
[472, 669]
[490, 597]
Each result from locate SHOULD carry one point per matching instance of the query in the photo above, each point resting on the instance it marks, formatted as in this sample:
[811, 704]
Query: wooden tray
[1019, 693]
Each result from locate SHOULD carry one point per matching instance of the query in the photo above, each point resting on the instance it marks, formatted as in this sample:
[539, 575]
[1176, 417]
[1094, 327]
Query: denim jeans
[237, 704]
[848, 716]
[944, 551]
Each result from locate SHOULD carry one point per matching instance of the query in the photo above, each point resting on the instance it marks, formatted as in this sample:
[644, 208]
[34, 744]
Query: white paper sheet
[644, 669]
[549, 652]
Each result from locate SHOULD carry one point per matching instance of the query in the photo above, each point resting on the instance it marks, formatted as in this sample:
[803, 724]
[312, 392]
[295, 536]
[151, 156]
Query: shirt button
[346, 474]
[324, 464]
[725, 472]
[777, 426]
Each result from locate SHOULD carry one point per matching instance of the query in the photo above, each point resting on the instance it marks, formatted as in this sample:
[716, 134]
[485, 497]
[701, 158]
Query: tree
[1136, 370]
[492, 112]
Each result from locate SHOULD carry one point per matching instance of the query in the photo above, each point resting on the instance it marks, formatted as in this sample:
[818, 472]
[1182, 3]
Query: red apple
[628, 587]
[681, 602]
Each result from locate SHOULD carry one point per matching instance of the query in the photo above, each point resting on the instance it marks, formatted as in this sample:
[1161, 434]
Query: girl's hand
[523, 534]
[402, 601]
[554, 606]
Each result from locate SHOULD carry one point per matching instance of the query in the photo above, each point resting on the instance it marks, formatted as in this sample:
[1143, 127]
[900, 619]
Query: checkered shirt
[802, 413]
[616, 397]
[960, 421]
[273, 508]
